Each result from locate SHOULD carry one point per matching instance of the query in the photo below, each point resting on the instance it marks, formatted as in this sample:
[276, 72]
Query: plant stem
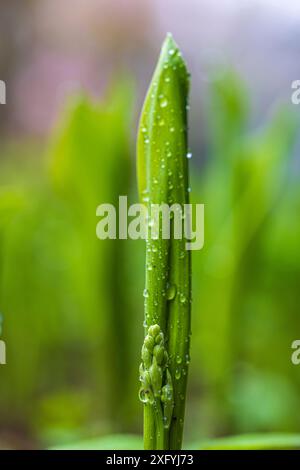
[163, 180]
[149, 428]
[179, 338]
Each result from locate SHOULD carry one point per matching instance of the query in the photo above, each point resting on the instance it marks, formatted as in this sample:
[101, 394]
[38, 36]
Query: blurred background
[72, 305]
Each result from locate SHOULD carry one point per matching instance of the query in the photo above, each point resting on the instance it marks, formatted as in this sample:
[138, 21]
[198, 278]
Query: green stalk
[163, 179]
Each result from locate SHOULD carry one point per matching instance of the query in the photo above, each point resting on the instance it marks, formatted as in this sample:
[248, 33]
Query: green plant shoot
[162, 167]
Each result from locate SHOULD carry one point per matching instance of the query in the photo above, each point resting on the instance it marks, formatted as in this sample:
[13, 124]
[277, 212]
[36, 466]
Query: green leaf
[112, 442]
[272, 441]
[162, 169]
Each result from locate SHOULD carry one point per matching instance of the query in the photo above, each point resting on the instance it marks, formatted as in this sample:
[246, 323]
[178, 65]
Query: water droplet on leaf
[146, 293]
[178, 359]
[171, 292]
[163, 102]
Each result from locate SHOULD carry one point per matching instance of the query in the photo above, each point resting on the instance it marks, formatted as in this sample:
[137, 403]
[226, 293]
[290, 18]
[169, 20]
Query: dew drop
[171, 51]
[163, 102]
[178, 359]
[177, 374]
[142, 396]
[145, 195]
[171, 292]
[189, 155]
[146, 293]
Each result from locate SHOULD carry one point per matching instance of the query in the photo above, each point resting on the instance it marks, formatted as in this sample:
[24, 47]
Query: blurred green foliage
[72, 305]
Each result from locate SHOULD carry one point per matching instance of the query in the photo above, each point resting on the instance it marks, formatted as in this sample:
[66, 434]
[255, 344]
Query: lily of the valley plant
[162, 163]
